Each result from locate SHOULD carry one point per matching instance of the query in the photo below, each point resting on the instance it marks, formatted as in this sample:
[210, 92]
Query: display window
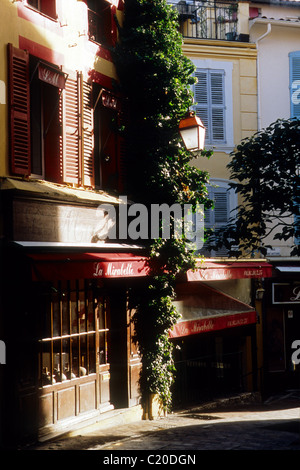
[75, 332]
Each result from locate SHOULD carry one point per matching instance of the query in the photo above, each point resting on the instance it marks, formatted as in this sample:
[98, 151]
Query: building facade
[65, 320]
[220, 333]
[274, 28]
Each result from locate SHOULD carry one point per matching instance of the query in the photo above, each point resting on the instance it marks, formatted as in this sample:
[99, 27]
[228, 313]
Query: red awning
[214, 271]
[205, 309]
[67, 266]
[204, 325]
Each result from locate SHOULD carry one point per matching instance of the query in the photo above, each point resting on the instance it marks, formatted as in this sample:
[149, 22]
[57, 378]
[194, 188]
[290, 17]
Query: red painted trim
[39, 19]
[40, 51]
[101, 79]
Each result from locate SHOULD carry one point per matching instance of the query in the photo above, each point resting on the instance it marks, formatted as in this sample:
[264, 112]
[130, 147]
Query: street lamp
[192, 132]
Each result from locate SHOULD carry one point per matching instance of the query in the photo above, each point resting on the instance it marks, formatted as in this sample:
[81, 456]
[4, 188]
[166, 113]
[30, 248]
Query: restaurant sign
[284, 293]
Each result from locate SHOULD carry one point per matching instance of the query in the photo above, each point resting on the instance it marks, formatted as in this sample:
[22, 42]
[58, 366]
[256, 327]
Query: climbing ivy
[156, 78]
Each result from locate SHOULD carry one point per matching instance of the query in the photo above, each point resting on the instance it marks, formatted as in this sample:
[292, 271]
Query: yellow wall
[242, 56]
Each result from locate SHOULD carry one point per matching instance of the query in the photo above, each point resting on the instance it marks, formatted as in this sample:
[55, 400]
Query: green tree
[156, 78]
[265, 169]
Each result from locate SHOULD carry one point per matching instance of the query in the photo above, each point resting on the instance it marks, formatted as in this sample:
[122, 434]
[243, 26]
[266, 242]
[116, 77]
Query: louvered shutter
[217, 217]
[71, 167]
[87, 134]
[19, 110]
[202, 100]
[295, 84]
[217, 106]
[210, 103]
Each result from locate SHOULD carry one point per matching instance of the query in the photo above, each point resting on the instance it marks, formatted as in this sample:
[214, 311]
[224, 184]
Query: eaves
[212, 47]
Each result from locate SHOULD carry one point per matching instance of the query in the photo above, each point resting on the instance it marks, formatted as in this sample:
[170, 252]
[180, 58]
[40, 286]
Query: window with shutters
[225, 203]
[213, 102]
[295, 83]
[51, 121]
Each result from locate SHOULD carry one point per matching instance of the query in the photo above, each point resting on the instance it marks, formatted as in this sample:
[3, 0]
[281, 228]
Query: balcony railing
[209, 20]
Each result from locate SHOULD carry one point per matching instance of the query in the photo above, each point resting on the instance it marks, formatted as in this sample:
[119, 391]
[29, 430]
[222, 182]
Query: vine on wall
[156, 79]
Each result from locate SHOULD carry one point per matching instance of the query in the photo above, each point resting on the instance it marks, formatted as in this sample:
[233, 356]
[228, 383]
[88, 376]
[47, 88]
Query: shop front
[282, 328]
[65, 318]
[217, 337]
[70, 348]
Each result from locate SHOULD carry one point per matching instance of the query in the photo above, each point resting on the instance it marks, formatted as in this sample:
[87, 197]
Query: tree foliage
[266, 169]
[156, 78]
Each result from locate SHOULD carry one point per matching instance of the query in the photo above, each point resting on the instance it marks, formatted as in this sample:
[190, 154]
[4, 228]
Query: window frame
[72, 347]
[226, 68]
[40, 8]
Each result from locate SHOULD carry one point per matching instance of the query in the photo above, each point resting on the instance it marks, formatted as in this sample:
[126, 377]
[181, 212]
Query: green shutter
[295, 84]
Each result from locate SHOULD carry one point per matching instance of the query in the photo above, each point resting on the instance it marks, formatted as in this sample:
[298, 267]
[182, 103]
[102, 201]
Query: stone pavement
[272, 425]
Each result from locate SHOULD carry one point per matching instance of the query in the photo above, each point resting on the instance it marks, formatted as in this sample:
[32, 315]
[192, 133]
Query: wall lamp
[192, 132]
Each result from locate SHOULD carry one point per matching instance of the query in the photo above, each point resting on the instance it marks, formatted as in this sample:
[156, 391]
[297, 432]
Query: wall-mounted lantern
[192, 132]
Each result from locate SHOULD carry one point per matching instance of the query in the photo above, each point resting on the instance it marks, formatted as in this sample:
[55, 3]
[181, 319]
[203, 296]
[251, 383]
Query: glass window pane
[75, 354]
[83, 356]
[56, 314]
[92, 354]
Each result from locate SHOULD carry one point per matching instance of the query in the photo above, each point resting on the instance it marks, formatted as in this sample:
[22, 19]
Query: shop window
[47, 7]
[51, 121]
[102, 28]
[75, 332]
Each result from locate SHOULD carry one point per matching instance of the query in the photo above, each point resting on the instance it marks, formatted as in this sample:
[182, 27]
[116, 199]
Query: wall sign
[284, 293]
[51, 76]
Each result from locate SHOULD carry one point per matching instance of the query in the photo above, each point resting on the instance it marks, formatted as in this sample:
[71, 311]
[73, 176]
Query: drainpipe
[258, 75]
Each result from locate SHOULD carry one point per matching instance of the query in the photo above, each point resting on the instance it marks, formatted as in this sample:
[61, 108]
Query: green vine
[156, 78]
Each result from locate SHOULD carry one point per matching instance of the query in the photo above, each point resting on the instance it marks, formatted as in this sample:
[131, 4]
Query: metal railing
[209, 20]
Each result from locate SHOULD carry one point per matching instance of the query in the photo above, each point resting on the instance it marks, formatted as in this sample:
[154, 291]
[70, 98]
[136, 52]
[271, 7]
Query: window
[75, 333]
[51, 121]
[210, 107]
[295, 83]
[47, 7]
[225, 203]
[102, 27]
[213, 102]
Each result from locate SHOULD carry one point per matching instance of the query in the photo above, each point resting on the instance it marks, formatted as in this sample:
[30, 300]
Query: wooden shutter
[87, 134]
[295, 84]
[19, 110]
[217, 106]
[71, 167]
[210, 103]
[217, 217]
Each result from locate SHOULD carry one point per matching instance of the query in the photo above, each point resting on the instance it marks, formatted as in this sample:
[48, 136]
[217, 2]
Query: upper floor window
[51, 121]
[225, 203]
[295, 83]
[47, 7]
[213, 102]
[102, 27]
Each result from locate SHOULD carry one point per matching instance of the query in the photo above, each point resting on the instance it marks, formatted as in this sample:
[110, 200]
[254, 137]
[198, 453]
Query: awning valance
[213, 271]
[68, 266]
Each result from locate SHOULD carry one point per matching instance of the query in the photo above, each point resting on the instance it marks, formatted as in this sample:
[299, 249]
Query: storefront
[282, 327]
[66, 321]
[217, 338]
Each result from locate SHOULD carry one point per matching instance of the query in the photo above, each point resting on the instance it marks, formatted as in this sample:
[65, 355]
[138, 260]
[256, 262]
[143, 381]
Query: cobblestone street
[272, 425]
